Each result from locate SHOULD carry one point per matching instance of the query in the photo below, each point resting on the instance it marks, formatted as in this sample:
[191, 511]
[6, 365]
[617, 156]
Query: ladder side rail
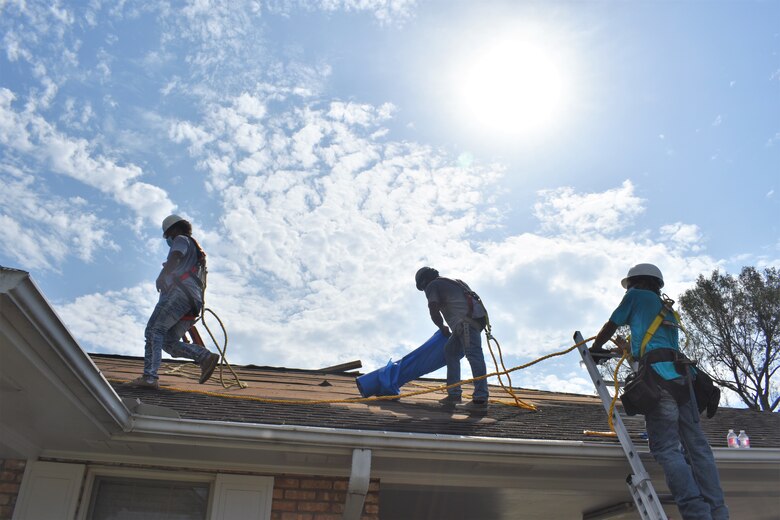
[642, 490]
[622, 433]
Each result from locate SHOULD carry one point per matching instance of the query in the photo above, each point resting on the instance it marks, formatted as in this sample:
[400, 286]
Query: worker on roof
[674, 420]
[466, 316]
[181, 284]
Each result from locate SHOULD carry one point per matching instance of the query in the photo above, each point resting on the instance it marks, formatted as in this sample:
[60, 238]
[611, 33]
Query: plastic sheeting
[389, 379]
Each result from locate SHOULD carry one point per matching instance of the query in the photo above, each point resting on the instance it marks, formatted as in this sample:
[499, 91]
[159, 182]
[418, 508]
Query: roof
[560, 416]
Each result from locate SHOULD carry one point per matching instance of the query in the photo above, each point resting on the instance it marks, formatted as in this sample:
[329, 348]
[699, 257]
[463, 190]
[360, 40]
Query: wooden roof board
[559, 417]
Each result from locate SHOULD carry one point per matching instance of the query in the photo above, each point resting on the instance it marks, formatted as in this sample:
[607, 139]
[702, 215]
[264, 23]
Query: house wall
[318, 498]
[295, 497]
[11, 472]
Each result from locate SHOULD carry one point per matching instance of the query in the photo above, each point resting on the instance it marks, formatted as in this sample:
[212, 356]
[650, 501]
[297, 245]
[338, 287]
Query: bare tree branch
[734, 329]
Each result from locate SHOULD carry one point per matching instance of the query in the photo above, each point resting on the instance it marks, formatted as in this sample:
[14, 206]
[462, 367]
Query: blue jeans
[454, 351]
[164, 332]
[695, 486]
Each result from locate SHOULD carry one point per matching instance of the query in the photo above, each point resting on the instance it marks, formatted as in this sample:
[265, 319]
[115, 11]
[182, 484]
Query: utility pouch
[707, 394]
[704, 390]
[641, 393]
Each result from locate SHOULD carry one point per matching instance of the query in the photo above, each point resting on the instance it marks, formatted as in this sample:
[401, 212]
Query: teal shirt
[638, 309]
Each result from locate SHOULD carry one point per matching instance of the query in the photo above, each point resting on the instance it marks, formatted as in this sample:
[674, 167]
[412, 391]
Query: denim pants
[695, 486]
[164, 332]
[454, 350]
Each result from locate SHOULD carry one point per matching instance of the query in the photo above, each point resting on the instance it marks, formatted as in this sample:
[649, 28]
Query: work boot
[143, 382]
[207, 367]
[475, 406]
[449, 402]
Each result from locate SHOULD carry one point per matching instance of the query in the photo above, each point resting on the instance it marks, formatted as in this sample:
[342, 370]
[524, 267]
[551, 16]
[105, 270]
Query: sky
[326, 150]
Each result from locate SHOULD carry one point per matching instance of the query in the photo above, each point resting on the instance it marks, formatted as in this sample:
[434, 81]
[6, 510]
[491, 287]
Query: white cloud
[41, 231]
[30, 135]
[129, 309]
[384, 11]
[572, 383]
[568, 212]
[684, 236]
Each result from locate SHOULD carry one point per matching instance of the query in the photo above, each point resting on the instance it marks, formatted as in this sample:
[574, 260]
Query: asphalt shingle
[559, 416]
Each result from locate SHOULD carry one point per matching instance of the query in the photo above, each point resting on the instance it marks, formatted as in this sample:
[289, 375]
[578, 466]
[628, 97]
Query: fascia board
[417, 445]
[62, 349]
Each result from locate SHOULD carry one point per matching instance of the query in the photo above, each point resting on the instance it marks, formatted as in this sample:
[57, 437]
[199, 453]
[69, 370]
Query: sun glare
[511, 87]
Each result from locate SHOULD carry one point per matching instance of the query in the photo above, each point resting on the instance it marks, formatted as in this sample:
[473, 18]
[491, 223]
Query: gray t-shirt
[186, 246]
[449, 295]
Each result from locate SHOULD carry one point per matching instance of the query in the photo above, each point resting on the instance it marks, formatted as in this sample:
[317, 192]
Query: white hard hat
[643, 270]
[169, 221]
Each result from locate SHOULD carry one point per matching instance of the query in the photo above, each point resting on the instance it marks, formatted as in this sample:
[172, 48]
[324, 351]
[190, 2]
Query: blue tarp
[389, 379]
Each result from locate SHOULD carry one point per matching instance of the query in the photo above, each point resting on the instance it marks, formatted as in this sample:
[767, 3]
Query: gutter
[227, 434]
[19, 287]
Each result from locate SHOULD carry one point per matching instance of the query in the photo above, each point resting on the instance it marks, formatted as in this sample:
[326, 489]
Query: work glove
[600, 355]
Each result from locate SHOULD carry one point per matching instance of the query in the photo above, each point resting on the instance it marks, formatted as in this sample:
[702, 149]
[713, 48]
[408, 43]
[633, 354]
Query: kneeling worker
[466, 317]
[181, 286]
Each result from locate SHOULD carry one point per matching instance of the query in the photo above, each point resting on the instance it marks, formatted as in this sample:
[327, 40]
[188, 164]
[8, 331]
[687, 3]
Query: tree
[734, 329]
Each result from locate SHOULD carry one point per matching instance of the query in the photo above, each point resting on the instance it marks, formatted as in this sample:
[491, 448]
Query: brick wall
[11, 471]
[318, 498]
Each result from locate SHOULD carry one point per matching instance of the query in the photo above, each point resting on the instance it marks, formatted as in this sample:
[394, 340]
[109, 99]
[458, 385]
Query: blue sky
[326, 150]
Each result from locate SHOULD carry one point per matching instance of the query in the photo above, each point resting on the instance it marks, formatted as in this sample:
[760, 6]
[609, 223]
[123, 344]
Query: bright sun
[511, 88]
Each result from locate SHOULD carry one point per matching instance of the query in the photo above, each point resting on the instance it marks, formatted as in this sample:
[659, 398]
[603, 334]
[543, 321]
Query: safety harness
[473, 301]
[198, 272]
[700, 387]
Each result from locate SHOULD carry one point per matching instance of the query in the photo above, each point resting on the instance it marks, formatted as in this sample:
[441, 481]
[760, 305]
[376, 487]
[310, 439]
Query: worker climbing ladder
[647, 503]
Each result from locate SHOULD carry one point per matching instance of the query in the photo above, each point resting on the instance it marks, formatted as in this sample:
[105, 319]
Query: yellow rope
[222, 351]
[381, 397]
[508, 389]
[611, 414]
[615, 397]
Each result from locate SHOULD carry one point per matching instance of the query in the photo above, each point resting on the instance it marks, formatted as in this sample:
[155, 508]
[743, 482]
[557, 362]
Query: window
[118, 498]
[148, 494]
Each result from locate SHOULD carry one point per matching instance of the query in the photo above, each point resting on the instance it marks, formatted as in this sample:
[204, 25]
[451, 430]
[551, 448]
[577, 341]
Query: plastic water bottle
[744, 440]
[732, 440]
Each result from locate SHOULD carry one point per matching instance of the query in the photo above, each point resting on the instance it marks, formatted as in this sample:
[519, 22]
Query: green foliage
[734, 330]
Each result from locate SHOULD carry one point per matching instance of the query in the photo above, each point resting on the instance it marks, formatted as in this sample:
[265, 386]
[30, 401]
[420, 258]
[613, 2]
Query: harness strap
[662, 354]
[666, 307]
[651, 331]
[193, 304]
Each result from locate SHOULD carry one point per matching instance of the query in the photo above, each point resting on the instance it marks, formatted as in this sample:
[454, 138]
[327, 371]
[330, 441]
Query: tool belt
[642, 390]
[641, 393]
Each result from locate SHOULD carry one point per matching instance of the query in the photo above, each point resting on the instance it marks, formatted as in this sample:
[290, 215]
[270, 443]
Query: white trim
[48, 487]
[138, 473]
[22, 291]
[231, 492]
[260, 436]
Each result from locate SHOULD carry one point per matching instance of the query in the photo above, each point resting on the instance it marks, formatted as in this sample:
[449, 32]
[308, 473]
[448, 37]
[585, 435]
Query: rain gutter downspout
[358, 484]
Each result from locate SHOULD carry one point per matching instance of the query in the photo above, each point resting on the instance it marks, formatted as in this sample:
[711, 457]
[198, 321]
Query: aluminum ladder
[642, 491]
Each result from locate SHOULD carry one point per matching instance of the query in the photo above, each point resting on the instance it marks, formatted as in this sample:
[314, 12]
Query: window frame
[219, 484]
[94, 472]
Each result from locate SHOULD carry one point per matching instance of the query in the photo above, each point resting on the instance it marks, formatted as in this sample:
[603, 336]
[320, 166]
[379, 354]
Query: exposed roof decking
[560, 416]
